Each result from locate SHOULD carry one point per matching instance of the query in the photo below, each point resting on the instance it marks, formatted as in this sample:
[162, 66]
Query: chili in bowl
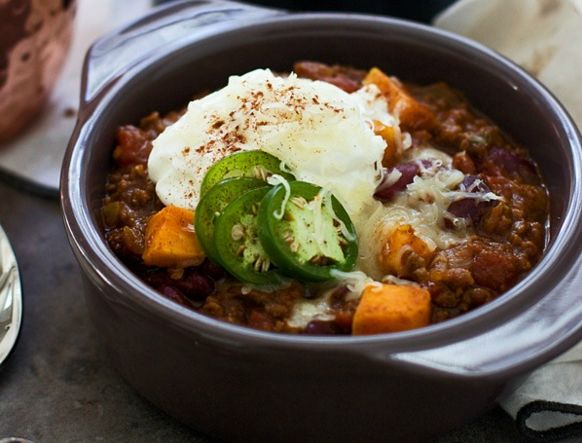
[267, 188]
[315, 380]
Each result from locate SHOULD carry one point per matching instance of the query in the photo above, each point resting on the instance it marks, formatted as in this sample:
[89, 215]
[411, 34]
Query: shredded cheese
[399, 281]
[355, 282]
[343, 228]
[423, 205]
[392, 177]
[275, 180]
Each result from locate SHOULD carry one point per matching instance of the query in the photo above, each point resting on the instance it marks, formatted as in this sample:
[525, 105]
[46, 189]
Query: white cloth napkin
[545, 37]
[37, 154]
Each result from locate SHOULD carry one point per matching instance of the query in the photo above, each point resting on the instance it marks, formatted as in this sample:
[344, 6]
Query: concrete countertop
[58, 385]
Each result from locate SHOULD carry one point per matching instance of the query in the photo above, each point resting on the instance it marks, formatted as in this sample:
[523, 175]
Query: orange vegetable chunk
[412, 113]
[393, 151]
[170, 241]
[391, 308]
[395, 253]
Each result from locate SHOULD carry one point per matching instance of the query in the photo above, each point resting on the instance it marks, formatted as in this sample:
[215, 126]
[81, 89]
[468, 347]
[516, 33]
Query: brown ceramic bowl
[35, 40]
[246, 385]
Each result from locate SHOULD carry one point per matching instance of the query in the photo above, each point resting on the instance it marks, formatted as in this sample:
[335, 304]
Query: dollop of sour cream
[321, 133]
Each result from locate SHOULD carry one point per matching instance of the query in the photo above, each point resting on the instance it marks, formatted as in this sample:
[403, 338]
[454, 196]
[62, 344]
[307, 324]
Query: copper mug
[34, 39]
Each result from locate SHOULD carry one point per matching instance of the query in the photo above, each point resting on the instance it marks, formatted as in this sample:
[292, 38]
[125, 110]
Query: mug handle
[115, 53]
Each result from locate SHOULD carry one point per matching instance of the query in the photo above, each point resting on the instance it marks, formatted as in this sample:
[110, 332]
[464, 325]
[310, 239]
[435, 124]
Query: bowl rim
[102, 265]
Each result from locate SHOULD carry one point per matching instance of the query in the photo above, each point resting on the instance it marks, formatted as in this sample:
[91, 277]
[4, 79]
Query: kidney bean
[324, 327]
[468, 184]
[465, 208]
[386, 192]
[195, 285]
[514, 165]
[320, 327]
[175, 295]
[214, 271]
[470, 208]
[348, 79]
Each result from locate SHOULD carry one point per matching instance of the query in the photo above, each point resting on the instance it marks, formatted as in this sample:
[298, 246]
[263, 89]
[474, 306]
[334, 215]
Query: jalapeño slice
[307, 233]
[212, 205]
[237, 242]
[255, 164]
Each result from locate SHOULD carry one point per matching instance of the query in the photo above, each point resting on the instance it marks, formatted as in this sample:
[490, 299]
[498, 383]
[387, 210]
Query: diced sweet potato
[170, 241]
[403, 250]
[391, 308]
[393, 151]
[412, 113]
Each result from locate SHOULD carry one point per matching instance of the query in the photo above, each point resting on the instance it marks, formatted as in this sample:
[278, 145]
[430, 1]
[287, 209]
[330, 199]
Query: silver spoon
[10, 298]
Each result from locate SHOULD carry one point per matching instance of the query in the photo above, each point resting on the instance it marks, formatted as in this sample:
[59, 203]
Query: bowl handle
[541, 332]
[115, 53]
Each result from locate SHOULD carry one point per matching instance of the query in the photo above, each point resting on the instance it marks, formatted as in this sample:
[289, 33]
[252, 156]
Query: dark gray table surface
[58, 385]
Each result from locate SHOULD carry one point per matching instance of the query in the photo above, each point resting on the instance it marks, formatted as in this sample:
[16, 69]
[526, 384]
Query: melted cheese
[307, 310]
[423, 205]
[354, 281]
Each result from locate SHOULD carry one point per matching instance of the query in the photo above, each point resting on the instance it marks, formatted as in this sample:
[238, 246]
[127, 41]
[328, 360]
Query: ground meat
[528, 202]
[448, 303]
[464, 163]
[460, 128]
[497, 221]
[233, 303]
[128, 205]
